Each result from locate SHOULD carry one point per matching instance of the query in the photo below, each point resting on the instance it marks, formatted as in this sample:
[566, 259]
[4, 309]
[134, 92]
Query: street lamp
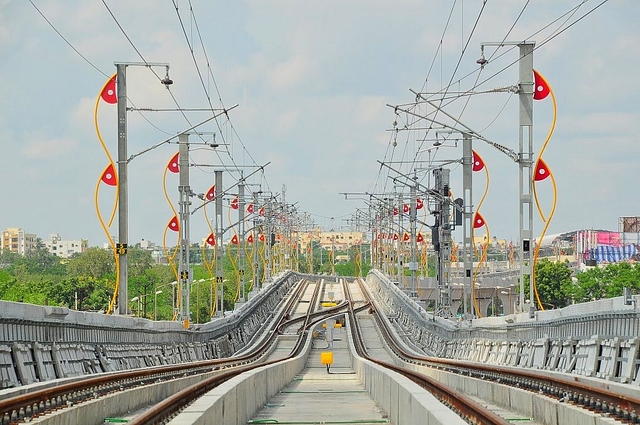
[155, 304]
[139, 300]
[173, 299]
[220, 293]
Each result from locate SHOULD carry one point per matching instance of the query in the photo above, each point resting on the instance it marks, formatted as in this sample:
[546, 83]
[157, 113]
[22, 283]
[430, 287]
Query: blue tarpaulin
[613, 254]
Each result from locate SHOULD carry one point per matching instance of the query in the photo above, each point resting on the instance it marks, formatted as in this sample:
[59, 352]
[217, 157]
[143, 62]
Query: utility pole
[123, 191]
[184, 265]
[242, 239]
[219, 245]
[444, 241]
[256, 279]
[525, 94]
[268, 237]
[333, 253]
[413, 213]
[525, 160]
[400, 242]
[467, 225]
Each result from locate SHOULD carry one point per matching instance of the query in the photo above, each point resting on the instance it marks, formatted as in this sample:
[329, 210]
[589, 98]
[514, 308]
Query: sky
[316, 84]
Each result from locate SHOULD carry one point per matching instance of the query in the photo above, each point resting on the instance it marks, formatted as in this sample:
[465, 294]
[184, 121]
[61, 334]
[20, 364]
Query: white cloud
[287, 120]
[312, 80]
[290, 72]
[371, 110]
[48, 148]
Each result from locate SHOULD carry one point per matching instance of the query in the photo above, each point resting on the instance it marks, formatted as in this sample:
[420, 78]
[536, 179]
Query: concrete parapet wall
[40, 343]
[596, 339]
[25, 364]
[404, 401]
[120, 403]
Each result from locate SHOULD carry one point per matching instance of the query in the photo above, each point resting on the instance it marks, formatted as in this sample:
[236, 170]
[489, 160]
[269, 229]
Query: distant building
[65, 249]
[480, 241]
[14, 239]
[107, 245]
[157, 252]
[339, 241]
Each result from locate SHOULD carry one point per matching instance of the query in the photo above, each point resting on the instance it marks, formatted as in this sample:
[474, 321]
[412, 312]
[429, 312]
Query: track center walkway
[318, 397]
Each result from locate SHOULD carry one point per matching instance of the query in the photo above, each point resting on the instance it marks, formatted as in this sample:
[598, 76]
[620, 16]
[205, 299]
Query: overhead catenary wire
[212, 77]
[139, 53]
[566, 16]
[94, 66]
[464, 49]
[67, 41]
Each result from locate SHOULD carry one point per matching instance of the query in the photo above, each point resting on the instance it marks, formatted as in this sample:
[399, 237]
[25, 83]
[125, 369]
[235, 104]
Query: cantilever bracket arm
[431, 192]
[225, 192]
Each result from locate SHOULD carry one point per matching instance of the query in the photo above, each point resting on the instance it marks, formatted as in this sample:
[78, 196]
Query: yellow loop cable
[546, 220]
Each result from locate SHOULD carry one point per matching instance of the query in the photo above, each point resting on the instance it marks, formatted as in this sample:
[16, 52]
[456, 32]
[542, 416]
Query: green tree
[605, 282]
[87, 292]
[139, 261]
[94, 262]
[8, 258]
[345, 269]
[553, 283]
[40, 260]
[619, 276]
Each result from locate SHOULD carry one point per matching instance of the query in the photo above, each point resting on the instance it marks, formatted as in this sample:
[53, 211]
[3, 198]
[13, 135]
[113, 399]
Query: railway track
[610, 403]
[291, 320]
[48, 401]
[466, 408]
[169, 408]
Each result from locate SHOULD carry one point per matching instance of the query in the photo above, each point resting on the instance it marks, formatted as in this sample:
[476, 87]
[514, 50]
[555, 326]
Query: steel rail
[465, 407]
[599, 399]
[169, 407]
[36, 403]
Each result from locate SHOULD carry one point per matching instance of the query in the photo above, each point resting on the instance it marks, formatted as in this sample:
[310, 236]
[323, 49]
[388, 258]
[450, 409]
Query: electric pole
[184, 264]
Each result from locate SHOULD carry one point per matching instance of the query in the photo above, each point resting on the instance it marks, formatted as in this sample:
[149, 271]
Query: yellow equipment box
[326, 357]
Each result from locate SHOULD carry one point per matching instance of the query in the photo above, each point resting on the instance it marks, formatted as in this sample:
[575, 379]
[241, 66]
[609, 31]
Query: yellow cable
[113, 247]
[170, 258]
[262, 259]
[475, 273]
[115, 203]
[475, 250]
[544, 145]
[535, 193]
[544, 230]
[210, 265]
[233, 263]
[104, 146]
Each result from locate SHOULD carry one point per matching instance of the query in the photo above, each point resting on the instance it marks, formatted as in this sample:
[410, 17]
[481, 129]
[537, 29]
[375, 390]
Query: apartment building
[65, 249]
[14, 239]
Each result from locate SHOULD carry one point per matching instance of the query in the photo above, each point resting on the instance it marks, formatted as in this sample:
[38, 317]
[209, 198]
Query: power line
[67, 41]
[210, 73]
[89, 62]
